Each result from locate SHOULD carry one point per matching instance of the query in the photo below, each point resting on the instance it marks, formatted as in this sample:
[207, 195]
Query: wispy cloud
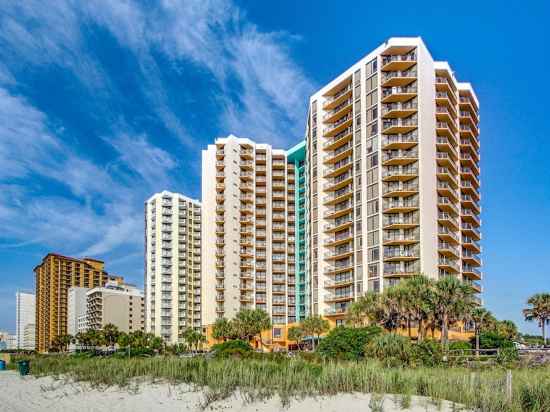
[259, 90]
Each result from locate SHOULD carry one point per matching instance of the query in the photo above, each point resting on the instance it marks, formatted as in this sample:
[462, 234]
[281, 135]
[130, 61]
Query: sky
[104, 103]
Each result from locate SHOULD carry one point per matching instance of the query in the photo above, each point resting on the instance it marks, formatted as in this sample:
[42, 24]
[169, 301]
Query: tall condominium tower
[172, 265]
[249, 241]
[393, 158]
[25, 318]
[54, 276]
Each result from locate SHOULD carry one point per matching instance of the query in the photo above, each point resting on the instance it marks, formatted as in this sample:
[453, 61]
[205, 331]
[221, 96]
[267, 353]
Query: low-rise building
[120, 305]
[76, 309]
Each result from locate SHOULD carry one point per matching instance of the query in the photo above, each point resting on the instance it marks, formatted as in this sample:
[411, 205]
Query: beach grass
[482, 390]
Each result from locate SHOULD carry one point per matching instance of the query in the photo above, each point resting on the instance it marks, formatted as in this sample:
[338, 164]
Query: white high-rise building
[249, 230]
[393, 157]
[172, 265]
[76, 309]
[25, 320]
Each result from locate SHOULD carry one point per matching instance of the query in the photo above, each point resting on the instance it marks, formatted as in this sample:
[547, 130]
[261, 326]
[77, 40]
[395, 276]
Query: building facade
[53, 278]
[249, 230]
[76, 309]
[117, 304]
[393, 176]
[25, 318]
[172, 265]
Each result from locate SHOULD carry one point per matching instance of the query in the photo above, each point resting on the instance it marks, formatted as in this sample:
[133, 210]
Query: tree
[315, 326]
[508, 329]
[419, 298]
[452, 302]
[365, 310]
[296, 334]
[222, 329]
[249, 323]
[110, 333]
[193, 338]
[480, 317]
[539, 310]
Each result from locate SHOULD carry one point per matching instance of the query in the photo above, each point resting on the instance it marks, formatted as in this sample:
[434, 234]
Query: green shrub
[235, 348]
[507, 355]
[347, 343]
[427, 353]
[492, 340]
[535, 398]
[460, 345]
[391, 349]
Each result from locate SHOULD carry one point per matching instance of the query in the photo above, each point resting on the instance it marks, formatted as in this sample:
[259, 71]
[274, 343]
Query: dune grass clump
[483, 390]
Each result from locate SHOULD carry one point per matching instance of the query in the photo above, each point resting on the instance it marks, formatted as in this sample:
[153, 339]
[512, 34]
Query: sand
[29, 394]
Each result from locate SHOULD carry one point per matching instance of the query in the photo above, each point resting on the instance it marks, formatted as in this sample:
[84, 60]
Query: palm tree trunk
[444, 332]
[477, 342]
[420, 330]
[543, 325]
[409, 326]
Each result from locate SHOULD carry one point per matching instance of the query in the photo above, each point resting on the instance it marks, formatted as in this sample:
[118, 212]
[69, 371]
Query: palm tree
[452, 302]
[249, 323]
[365, 310]
[481, 317]
[110, 333]
[391, 305]
[508, 329]
[316, 326]
[296, 334]
[539, 310]
[222, 329]
[419, 297]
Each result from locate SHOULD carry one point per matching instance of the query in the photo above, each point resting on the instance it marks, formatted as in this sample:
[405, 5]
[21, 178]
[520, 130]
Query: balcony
[446, 189]
[338, 297]
[447, 205]
[395, 254]
[447, 235]
[469, 216]
[399, 109]
[341, 124]
[444, 159]
[471, 231]
[247, 153]
[338, 182]
[398, 222]
[399, 173]
[246, 175]
[398, 62]
[393, 126]
[399, 157]
[339, 239]
[339, 224]
[399, 189]
[468, 131]
[342, 109]
[445, 145]
[448, 249]
[445, 174]
[220, 164]
[403, 205]
[471, 272]
[398, 94]
[398, 78]
[445, 98]
[338, 253]
[396, 270]
[336, 97]
[469, 188]
[393, 239]
[337, 140]
[448, 220]
[471, 244]
[338, 154]
[470, 258]
[447, 264]
[400, 141]
[338, 196]
[338, 168]
[338, 210]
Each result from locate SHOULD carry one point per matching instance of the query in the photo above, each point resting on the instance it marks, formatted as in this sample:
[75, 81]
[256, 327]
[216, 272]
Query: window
[277, 333]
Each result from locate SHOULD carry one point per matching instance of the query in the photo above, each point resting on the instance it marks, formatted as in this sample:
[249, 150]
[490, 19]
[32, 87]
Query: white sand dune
[29, 394]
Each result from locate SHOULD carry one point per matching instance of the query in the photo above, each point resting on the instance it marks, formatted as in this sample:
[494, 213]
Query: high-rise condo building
[25, 318]
[116, 304]
[54, 276]
[393, 176]
[249, 229]
[172, 265]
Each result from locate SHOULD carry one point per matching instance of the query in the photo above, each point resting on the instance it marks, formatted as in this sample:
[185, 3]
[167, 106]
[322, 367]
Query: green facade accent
[297, 156]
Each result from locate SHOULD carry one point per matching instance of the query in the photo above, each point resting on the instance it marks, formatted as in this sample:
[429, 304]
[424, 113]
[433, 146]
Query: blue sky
[103, 103]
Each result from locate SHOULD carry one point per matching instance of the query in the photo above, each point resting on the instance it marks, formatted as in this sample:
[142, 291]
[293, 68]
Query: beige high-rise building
[119, 305]
[172, 265]
[249, 243]
[393, 157]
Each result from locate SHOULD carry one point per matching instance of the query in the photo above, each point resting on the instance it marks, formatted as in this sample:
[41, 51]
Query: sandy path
[47, 394]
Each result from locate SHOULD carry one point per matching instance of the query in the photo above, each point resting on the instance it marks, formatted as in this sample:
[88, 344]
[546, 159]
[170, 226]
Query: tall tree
[222, 329]
[481, 317]
[296, 334]
[419, 301]
[110, 333]
[249, 323]
[453, 300]
[315, 326]
[538, 310]
[365, 310]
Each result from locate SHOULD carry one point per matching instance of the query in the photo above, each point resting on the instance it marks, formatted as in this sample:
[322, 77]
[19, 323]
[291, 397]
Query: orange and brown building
[54, 276]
